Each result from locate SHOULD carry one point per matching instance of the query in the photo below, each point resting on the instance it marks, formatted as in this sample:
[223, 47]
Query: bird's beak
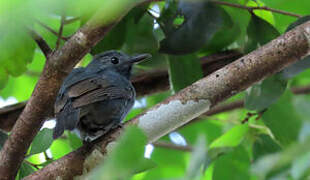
[139, 58]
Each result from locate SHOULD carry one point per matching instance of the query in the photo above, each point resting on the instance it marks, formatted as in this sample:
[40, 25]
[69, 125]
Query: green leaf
[25, 170]
[20, 52]
[232, 137]
[4, 77]
[140, 37]
[207, 127]
[202, 20]
[198, 159]
[281, 118]
[298, 22]
[113, 40]
[16, 44]
[264, 145]
[259, 32]
[158, 61]
[296, 68]
[3, 138]
[170, 164]
[272, 163]
[234, 165]
[301, 166]
[126, 157]
[227, 34]
[302, 106]
[74, 141]
[183, 71]
[26, 82]
[261, 96]
[42, 141]
[59, 148]
[156, 98]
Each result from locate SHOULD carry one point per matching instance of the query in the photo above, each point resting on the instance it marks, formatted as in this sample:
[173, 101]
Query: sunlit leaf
[59, 148]
[74, 141]
[232, 137]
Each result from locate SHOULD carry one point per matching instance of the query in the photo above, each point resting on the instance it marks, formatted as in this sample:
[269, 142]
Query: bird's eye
[114, 60]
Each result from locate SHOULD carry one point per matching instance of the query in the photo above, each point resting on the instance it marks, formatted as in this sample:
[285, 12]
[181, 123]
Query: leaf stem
[59, 35]
[51, 30]
[40, 42]
[251, 9]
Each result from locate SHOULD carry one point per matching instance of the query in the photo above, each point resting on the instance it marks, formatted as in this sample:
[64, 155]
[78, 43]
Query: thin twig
[173, 146]
[251, 9]
[301, 89]
[40, 42]
[61, 27]
[51, 30]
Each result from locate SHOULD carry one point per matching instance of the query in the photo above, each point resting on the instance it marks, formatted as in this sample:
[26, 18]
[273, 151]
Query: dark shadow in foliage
[201, 20]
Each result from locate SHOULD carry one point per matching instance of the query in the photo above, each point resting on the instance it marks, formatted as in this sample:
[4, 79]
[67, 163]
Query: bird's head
[115, 60]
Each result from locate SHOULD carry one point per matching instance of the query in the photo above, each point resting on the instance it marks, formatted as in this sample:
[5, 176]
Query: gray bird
[95, 99]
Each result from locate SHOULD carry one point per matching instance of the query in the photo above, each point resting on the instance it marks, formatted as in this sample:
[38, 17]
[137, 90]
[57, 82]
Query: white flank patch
[168, 117]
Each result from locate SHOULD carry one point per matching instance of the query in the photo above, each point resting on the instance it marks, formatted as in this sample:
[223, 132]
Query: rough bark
[200, 96]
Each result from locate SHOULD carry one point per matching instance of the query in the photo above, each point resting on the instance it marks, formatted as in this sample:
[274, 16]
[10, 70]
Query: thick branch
[199, 97]
[56, 68]
[41, 43]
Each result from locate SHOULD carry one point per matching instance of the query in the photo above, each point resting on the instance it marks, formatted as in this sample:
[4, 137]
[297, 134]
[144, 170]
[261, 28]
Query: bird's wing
[75, 77]
[96, 89]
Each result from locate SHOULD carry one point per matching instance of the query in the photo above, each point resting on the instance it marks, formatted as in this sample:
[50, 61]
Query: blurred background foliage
[268, 139]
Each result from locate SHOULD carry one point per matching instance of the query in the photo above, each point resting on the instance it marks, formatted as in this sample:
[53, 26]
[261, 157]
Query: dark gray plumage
[95, 99]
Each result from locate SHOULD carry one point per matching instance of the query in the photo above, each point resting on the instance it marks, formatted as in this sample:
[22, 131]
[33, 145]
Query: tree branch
[40, 42]
[51, 30]
[251, 9]
[61, 27]
[199, 97]
[55, 70]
